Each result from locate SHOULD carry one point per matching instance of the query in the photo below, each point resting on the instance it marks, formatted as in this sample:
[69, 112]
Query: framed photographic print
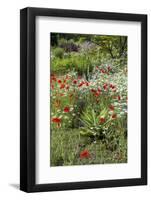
[83, 99]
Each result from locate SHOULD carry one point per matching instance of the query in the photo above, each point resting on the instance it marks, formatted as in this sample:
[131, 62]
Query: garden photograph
[88, 99]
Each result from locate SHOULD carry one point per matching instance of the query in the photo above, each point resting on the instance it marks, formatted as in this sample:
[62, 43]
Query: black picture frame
[28, 99]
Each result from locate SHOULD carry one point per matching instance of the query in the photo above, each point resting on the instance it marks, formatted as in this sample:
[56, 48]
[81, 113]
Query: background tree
[115, 46]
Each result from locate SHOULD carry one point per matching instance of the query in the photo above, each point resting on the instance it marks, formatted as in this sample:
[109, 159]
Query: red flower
[102, 119]
[75, 81]
[111, 107]
[62, 86]
[53, 78]
[87, 83]
[93, 90]
[114, 116]
[97, 94]
[67, 87]
[80, 84]
[102, 71]
[56, 120]
[85, 154]
[109, 68]
[99, 90]
[66, 109]
[59, 81]
[119, 98]
[113, 86]
[105, 86]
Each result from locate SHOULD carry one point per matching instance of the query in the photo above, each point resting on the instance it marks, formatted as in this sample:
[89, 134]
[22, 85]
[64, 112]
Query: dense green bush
[82, 63]
[78, 63]
[58, 52]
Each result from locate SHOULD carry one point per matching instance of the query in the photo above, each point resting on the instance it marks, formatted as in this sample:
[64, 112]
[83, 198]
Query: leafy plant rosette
[96, 125]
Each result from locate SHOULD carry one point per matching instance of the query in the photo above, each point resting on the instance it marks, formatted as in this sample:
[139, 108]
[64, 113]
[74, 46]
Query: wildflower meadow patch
[88, 99]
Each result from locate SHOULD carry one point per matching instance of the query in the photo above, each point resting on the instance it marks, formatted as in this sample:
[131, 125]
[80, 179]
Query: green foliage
[58, 52]
[91, 122]
[66, 146]
[115, 46]
[87, 55]
[63, 142]
[80, 63]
